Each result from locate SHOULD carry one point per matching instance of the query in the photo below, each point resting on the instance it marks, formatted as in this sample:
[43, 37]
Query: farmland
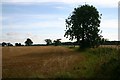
[57, 62]
[32, 61]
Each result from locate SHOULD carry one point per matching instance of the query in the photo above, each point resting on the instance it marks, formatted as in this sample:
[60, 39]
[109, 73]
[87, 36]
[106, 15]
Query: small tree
[57, 42]
[17, 44]
[83, 24]
[28, 42]
[103, 40]
[4, 44]
[48, 41]
[9, 44]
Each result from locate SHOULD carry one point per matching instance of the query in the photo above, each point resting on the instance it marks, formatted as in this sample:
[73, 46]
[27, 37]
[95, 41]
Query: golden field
[38, 61]
[102, 63]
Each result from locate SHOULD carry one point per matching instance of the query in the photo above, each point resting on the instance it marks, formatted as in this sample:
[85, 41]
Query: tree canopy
[4, 44]
[57, 42]
[83, 24]
[48, 41]
[28, 42]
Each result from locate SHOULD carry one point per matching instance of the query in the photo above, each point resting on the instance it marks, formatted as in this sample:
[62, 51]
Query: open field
[59, 62]
[32, 62]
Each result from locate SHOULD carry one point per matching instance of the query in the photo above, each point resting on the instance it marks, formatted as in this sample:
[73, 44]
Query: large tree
[28, 42]
[83, 24]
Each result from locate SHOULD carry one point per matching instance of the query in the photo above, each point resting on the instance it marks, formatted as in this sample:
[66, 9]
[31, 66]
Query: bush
[109, 68]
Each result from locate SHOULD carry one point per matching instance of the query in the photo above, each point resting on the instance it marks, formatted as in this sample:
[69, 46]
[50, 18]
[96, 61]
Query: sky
[45, 19]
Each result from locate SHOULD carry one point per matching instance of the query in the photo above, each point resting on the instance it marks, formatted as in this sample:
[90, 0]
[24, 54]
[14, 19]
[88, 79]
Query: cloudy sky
[43, 19]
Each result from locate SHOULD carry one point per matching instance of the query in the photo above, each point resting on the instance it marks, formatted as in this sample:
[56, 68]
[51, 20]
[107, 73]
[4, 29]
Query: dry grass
[110, 46]
[35, 61]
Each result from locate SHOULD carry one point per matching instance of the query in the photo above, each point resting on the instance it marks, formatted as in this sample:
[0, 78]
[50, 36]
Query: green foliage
[101, 63]
[103, 51]
[28, 42]
[4, 44]
[107, 66]
[64, 75]
[48, 41]
[109, 63]
[57, 42]
[110, 69]
[103, 40]
[83, 25]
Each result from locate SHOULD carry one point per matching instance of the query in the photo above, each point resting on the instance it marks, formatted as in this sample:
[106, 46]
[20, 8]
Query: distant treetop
[28, 42]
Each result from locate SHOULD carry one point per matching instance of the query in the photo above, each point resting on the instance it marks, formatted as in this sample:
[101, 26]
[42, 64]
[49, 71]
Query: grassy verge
[100, 63]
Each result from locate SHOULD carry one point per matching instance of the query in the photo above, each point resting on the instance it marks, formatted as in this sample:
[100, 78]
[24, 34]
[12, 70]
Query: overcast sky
[43, 19]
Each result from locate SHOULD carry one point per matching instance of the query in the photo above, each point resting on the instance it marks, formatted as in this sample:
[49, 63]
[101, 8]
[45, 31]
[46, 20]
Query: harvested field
[37, 61]
[61, 62]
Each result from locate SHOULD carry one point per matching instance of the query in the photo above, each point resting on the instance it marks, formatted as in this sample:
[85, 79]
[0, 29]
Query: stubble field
[102, 63]
[38, 62]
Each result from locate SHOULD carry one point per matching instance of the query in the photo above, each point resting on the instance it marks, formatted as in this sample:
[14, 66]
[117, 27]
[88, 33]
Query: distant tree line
[18, 44]
[10, 44]
[82, 25]
[111, 43]
[58, 42]
[55, 42]
[102, 43]
[6, 44]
